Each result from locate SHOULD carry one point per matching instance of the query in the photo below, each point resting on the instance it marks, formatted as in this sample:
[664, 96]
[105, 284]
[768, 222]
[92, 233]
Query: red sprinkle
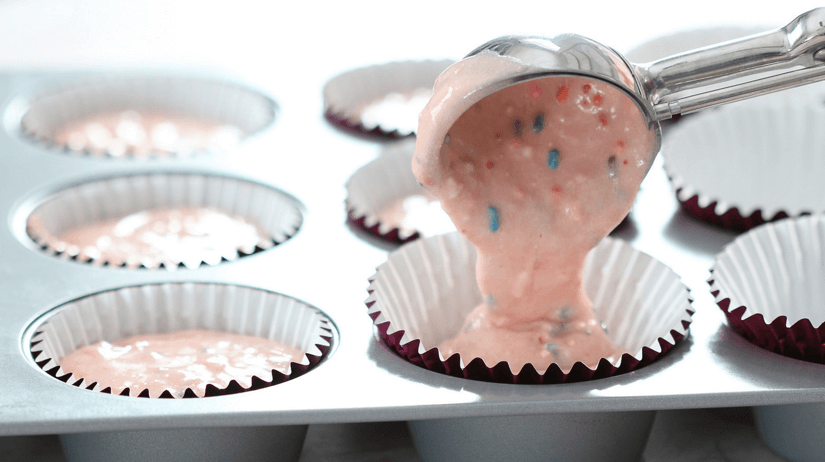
[597, 99]
[535, 90]
[625, 162]
[563, 93]
[603, 119]
[490, 164]
[586, 88]
[556, 194]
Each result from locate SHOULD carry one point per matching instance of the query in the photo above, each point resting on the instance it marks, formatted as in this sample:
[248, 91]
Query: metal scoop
[687, 82]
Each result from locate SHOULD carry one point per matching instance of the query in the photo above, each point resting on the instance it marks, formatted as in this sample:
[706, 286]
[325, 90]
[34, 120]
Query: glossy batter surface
[142, 133]
[167, 235]
[180, 360]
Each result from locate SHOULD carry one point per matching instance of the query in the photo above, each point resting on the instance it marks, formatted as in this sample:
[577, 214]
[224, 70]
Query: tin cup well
[265, 215]
[421, 296]
[132, 116]
[173, 307]
[768, 282]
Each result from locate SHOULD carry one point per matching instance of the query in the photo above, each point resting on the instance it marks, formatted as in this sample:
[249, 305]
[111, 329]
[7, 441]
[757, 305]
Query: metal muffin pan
[327, 264]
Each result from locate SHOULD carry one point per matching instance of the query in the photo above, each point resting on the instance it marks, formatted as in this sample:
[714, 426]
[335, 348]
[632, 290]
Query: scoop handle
[788, 57]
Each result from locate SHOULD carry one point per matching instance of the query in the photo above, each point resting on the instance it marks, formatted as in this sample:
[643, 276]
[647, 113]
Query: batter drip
[534, 175]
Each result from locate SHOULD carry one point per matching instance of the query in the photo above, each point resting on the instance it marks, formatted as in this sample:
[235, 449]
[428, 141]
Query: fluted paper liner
[382, 184]
[753, 162]
[348, 97]
[423, 293]
[171, 307]
[276, 213]
[769, 284]
[214, 101]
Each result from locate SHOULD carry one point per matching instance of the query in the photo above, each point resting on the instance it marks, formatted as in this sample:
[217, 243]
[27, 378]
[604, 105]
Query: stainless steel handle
[788, 57]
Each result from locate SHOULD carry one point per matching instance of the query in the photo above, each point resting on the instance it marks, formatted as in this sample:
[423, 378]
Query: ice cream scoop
[791, 56]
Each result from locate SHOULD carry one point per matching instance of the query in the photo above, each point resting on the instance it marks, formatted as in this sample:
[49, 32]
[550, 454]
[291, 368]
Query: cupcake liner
[746, 164]
[382, 100]
[423, 293]
[221, 103]
[385, 199]
[768, 283]
[171, 307]
[277, 215]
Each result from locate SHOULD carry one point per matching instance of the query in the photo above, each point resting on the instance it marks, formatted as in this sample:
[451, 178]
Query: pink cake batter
[180, 360]
[534, 175]
[166, 235]
[143, 133]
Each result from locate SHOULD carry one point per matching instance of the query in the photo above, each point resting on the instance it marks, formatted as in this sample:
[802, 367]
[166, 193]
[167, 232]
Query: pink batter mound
[534, 176]
[180, 360]
[167, 236]
[144, 133]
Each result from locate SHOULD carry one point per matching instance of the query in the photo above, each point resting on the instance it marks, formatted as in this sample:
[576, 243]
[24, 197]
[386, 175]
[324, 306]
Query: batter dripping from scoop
[534, 175]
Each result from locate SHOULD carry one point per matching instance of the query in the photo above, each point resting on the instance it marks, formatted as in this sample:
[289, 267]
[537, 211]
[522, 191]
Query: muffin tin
[327, 264]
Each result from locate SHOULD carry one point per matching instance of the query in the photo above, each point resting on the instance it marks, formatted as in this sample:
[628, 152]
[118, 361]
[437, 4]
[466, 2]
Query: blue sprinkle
[553, 159]
[552, 348]
[518, 127]
[538, 123]
[490, 300]
[611, 167]
[492, 213]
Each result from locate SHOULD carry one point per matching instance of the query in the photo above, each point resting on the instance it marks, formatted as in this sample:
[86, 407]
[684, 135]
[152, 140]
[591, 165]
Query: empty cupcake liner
[769, 284]
[171, 307]
[277, 215]
[246, 111]
[384, 99]
[385, 199]
[423, 293]
[746, 164]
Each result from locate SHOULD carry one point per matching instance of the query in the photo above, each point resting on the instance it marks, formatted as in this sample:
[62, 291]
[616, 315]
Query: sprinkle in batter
[553, 158]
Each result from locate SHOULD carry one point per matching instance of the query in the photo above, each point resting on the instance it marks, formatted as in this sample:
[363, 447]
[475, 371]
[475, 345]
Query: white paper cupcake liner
[277, 214]
[376, 193]
[746, 164]
[382, 99]
[769, 284]
[421, 296]
[172, 307]
[203, 100]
